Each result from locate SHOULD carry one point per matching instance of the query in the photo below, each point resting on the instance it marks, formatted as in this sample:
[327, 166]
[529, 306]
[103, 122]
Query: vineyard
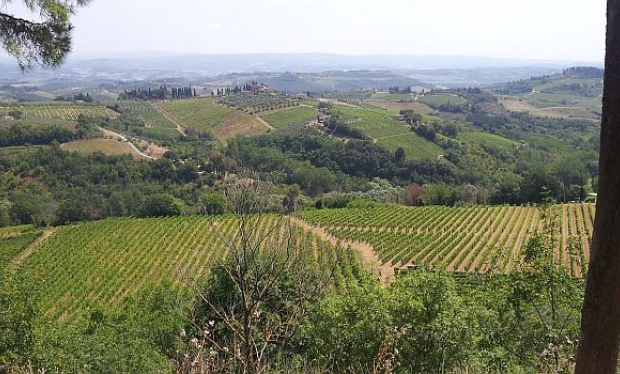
[292, 116]
[205, 114]
[390, 133]
[487, 139]
[59, 111]
[100, 264]
[14, 240]
[251, 103]
[146, 113]
[463, 239]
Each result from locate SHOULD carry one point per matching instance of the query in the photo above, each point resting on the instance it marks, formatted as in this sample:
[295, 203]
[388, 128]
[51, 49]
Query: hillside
[464, 239]
[575, 93]
[101, 264]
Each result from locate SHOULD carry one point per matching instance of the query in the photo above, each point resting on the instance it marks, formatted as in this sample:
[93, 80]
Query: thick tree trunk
[600, 324]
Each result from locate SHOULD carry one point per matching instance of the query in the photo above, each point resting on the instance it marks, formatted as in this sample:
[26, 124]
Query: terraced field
[100, 264]
[463, 239]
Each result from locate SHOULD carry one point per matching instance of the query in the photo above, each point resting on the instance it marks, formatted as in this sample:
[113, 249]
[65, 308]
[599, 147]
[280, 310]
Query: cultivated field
[251, 103]
[205, 114]
[147, 114]
[100, 264]
[463, 239]
[486, 138]
[390, 133]
[239, 124]
[60, 111]
[290, 116]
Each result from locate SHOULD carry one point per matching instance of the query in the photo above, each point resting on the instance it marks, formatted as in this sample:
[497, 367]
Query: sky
[524, 29]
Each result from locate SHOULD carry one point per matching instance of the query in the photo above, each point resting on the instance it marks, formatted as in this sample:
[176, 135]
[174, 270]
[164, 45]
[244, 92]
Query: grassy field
[464, 239]
[106, 146]
[290, 116]
[485, 138]
[390, 133]
[396, 106]
[101, 264]
[436, 100]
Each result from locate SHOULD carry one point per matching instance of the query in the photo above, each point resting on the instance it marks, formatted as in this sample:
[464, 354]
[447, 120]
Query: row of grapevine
[291, 116]
[11, 246]
[464, 239]
[65, 112]
[204, 114]
[101, 264]
[144, 111]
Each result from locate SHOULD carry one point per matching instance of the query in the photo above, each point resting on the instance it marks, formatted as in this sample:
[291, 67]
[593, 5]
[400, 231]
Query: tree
[161, 205]
[46, 42]
[600, 324]
[250, 308]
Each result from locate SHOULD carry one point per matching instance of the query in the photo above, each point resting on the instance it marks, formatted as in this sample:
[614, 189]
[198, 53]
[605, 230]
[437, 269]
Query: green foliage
[45, 42]
[18, 315]
[161, 205]
[390, 133]
[214, 204]
[291, 116]
[108, 344]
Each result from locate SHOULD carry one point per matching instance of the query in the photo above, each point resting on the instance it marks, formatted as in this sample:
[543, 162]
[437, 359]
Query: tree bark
[600, 324]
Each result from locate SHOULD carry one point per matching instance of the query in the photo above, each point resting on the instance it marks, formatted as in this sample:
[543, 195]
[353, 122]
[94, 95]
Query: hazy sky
[530, 29]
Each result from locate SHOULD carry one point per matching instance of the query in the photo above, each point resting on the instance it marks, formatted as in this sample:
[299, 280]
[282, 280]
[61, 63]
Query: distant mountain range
[449, 71]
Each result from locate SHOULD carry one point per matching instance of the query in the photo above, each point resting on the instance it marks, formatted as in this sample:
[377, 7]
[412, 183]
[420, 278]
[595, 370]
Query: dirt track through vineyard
[366, 252]
[20, 258]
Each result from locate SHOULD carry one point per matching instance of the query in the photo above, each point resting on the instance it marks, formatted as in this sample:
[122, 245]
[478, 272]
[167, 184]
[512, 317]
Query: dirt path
[123, 138]
[265, 123]
[368, 256]
[21, 257]
[180, 127]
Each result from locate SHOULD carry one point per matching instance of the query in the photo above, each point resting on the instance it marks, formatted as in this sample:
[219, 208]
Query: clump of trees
[160, 93]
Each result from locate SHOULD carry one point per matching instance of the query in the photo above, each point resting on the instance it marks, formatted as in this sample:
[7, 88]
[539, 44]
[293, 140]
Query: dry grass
[523, 105]
[106, 146]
